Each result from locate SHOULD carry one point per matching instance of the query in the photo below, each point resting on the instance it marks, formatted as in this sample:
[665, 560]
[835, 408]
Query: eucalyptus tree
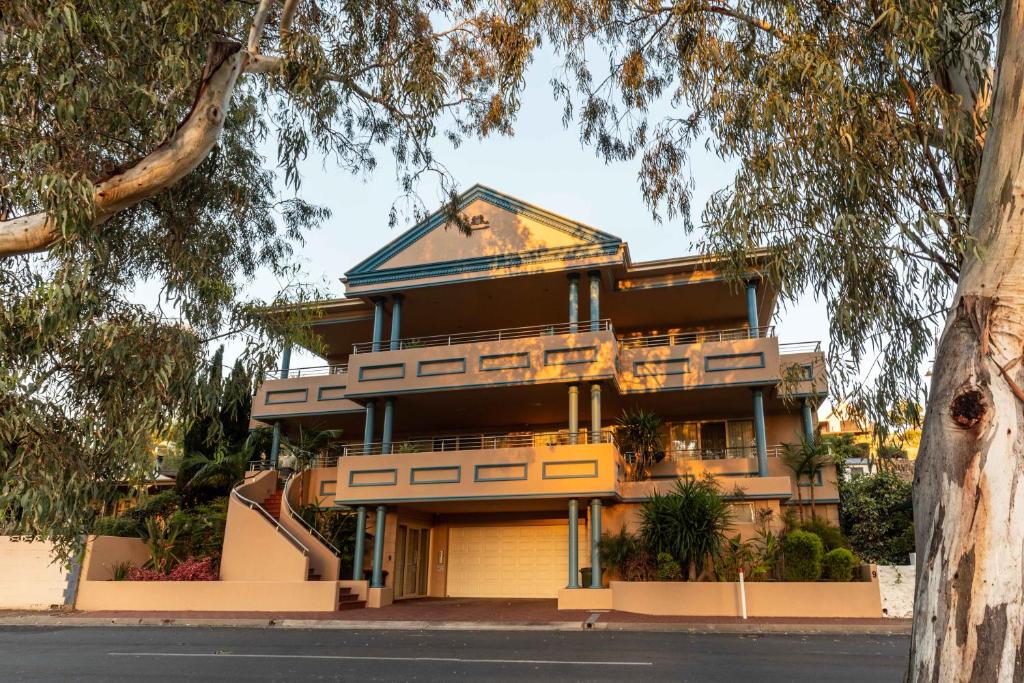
[130, 151]
[879, 151]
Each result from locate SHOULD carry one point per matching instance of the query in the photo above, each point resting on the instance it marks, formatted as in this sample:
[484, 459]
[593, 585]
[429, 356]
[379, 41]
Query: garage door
[510, 561]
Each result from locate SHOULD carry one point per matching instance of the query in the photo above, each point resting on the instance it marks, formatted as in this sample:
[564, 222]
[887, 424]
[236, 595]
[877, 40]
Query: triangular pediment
[504, 231]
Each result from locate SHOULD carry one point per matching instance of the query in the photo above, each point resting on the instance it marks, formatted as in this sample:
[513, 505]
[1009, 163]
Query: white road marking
[456, 660]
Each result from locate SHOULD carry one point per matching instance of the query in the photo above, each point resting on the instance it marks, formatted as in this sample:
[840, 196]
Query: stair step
[359, 604]
[344, 591]
[351, 597]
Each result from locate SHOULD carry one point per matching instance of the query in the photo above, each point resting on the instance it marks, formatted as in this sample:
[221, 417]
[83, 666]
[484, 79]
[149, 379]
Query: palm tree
[639, 432]
[806, 459]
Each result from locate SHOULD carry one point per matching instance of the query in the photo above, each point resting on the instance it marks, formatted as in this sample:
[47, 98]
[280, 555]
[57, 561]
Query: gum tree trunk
[969, 482]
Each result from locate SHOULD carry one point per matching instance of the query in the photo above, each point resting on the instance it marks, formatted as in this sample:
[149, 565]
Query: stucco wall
[103, 552]
[322, 559]
[29, 578]
[897, 587]
[208, 596]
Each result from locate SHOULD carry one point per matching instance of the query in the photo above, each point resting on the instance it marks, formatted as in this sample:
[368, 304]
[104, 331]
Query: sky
[544, 164]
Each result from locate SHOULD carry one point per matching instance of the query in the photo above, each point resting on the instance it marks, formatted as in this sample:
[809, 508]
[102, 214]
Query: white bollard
[743, 597]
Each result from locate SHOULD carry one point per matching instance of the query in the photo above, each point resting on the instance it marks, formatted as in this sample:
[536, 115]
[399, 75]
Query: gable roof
[509, 237]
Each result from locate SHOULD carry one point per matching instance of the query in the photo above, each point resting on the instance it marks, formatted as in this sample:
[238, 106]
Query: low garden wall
[853, 599]
[98, 591]
[29, 578]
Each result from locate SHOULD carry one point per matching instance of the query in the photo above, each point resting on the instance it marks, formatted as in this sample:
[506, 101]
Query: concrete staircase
[349, 600]
[272, 504]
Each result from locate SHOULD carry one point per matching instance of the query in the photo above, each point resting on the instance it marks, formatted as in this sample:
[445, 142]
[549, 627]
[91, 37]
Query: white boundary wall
[896, 584]
[29, 579]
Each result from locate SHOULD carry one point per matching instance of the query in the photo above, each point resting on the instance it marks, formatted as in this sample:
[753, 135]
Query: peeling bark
[969, 608]
[157, 171]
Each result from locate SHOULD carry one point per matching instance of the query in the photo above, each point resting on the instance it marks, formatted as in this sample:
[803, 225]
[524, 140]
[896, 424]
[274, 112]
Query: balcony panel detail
[303, 395]
[537, 359]
[731, 362]
[527, 471]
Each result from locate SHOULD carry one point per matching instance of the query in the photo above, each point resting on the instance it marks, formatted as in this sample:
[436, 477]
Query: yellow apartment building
[477, 380]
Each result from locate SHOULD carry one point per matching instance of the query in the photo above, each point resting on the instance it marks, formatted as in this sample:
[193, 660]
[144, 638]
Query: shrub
[618, 549]
[689, 524]
[838, 564]
[668, 568]
[161, 505]
[194, 569]
[640, 567]
[877, 516]
[115, 526]
[144, 574]
[801, 552]
[201, 529]
[120, 570]
[831, 536]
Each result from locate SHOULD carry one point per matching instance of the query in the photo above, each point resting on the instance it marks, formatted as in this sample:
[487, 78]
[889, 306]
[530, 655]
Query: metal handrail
[800, 347]
[470, 442]
[483, 336]
[310, 371]
[253, 505]
[306, 525]
[696, 337]
[728, 453]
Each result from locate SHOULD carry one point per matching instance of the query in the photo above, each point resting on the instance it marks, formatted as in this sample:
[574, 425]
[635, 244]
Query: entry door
[413, 546]
[712, 439]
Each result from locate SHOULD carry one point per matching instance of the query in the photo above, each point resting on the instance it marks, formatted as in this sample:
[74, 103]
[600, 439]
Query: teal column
[574, 413]
[396, 321]
[378, 548]
[389, 423]
[378, 323]
[808, 420]
[595, 300]
[759, 433]
[752, 309]
[595, 412]
[371, 410]
[357, 556]
[275, 445]
[574, 302]
[595, 543]
[574, 544]
[286, 361]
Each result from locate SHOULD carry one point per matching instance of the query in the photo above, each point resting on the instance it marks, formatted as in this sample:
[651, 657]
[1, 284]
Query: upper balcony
[306, 391]
[802, 369]
[692, 360]
[538, 354]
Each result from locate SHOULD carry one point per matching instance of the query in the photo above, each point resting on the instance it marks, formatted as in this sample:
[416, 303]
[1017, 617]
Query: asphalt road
[228, 654]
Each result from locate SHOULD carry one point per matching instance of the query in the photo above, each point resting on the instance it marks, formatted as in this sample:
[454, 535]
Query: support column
[378, 324]
[808, 420]
[371, 411]
[595, 543]
[357, 556]
[574, 413]
[286, 361]
[378, 548]
[595, 412]
[574, 303]
[275, 445]
[389, 423]
[759, 432]
[752, 309]
[396, 321]
[574, 544]
[595, 300]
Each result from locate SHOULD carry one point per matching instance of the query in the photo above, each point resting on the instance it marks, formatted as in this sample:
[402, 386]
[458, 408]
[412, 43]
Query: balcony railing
[718, 453]
[484, 336]
[800, 347]
[684, 338]
[468, 442]
[311, 371]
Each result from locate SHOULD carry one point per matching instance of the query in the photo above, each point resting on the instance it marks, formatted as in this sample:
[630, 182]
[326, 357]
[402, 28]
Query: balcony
[538, 354]
[802, 369]
[693, 360]
[480, 467]
[306, 391]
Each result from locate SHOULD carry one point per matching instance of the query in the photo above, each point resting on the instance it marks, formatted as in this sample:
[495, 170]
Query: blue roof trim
[436, 219]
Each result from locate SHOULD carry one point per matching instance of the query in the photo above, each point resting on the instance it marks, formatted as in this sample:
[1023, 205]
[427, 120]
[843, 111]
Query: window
[742, 513]
[712, 438]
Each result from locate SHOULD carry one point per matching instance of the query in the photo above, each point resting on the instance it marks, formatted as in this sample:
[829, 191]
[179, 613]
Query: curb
[897, 629]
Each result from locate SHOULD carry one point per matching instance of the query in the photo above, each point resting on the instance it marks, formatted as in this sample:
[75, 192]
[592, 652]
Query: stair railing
[253, 505]
[306, 525]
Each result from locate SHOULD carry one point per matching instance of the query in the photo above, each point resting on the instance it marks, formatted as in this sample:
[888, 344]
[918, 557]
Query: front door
[412, 549]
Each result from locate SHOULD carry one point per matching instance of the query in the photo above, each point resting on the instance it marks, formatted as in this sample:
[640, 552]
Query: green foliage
[838, 564]
[120, 570]
[690, 524]
[877, 515]
[338, 527]
[802, 552]
[831, 536]
[669, 568]
[161, 538]
[618, 550]
[201, 529]
[639, 433]
[161, 505]
[88, 374]
[116, 526]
